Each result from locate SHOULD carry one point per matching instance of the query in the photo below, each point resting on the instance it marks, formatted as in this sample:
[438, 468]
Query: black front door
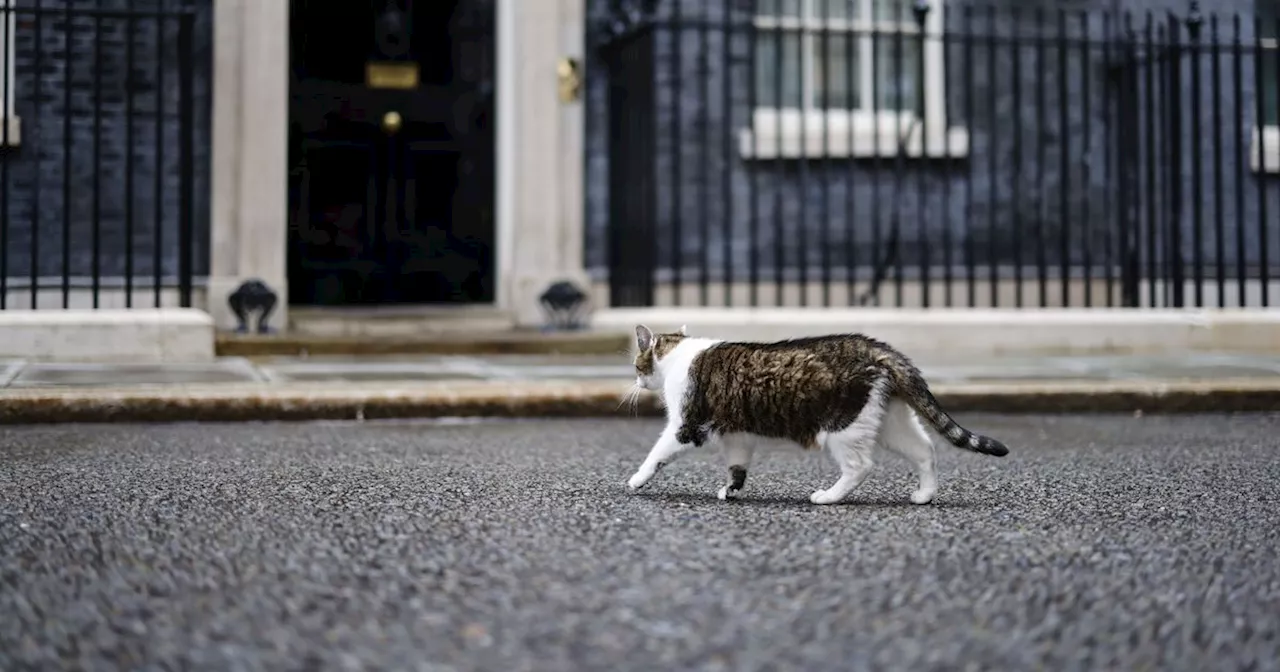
[391, 149]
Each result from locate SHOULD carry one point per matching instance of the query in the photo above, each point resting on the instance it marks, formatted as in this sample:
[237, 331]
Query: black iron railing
[97, 166]
[910, 153]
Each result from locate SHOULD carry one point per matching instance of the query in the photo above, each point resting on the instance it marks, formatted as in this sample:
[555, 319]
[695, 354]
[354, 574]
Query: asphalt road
[1100, 543]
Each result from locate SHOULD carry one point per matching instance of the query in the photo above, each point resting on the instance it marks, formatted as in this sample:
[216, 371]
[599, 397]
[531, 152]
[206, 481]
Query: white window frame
[792, 133]
[1265, 137]
[8, 110]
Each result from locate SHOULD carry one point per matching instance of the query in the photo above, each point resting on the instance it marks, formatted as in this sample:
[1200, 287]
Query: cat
[845, 392]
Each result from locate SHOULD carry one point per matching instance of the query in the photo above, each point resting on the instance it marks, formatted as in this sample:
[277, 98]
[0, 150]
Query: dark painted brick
[987, 205]
[34, 173]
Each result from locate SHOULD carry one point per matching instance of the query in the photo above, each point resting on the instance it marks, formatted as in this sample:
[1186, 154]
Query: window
[1267, 134]
[829, 73]
[8, 117]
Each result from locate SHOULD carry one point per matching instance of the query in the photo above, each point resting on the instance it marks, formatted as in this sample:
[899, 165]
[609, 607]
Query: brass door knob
[391, 122]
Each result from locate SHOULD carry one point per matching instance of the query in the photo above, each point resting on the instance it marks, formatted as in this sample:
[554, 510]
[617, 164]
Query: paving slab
[1193, 366]
[401, 368]
[228, 370]
[608, 368]
[356, 369]
[618, 367]
[9, 369]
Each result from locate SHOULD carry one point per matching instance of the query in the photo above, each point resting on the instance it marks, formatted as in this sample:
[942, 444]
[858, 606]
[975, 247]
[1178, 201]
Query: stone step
[478, 342]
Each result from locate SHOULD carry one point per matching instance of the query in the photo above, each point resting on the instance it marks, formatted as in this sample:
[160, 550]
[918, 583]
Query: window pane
[1269, 85]
[1267, 28]
[1267, 15]
[778, 8]
[770, 64]
[834, 9]
[832, 64]
[892, 10]
[897, 72]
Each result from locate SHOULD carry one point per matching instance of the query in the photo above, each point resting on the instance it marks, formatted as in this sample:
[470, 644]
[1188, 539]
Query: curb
[576, 399]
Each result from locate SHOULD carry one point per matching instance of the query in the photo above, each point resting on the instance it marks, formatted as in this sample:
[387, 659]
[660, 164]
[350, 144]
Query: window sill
[15, 131]
[764, 142]
[1270, 146]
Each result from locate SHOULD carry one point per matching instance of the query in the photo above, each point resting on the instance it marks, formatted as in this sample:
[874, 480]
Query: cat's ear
[684, 330]
[644, 337]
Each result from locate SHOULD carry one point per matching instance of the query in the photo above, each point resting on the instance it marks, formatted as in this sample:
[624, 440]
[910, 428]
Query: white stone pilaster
[539, 154]
[249, 223]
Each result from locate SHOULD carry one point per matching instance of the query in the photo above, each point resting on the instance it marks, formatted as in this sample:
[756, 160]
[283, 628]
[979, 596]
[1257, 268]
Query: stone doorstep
[177, 334]
[984, 332]
[569, 399]
[507, 342]
[139, 335]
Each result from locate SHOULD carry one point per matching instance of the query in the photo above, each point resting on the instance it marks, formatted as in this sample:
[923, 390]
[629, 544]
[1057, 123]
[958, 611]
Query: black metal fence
[97, 166]
[881, 152]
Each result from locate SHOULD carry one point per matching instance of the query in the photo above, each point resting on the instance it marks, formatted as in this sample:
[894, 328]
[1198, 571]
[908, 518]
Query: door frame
[504, 109]
[250, 115]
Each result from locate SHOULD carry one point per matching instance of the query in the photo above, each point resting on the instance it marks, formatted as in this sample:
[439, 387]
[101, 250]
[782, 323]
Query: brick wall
[986, 204]
[37, 172]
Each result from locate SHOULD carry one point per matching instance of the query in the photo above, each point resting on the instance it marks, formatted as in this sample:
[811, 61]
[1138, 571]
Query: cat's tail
[916, 393]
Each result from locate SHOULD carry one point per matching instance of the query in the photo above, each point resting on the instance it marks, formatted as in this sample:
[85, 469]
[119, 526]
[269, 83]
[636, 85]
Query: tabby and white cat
[846, 392]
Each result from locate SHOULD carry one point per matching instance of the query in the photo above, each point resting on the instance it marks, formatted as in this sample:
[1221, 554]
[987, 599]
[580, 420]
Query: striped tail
[918, 396]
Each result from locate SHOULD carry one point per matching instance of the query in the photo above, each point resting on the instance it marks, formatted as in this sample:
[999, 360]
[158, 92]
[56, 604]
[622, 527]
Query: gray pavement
[1101, 542]
[400, 369]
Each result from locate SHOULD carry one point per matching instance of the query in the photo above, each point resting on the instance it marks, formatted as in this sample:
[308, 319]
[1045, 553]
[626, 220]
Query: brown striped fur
[794, 389]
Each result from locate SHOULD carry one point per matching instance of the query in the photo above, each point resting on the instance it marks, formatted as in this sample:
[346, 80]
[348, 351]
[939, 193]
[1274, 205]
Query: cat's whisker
[630, 398]
[626, 396]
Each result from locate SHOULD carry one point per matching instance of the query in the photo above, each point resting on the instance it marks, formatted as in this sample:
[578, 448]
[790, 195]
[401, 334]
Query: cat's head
[651, 348]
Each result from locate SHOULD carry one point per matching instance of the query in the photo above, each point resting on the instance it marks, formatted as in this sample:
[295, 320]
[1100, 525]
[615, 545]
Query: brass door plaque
[391, 75]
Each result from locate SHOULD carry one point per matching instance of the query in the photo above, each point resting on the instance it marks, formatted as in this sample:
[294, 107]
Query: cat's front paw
[639, 480]
[727, 492]
[825, 497]
[644, 474]
[923, 496]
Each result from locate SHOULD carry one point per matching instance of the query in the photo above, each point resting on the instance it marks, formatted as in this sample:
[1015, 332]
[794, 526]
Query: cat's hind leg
[904, 435]
[853, 449]
[738, 451]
